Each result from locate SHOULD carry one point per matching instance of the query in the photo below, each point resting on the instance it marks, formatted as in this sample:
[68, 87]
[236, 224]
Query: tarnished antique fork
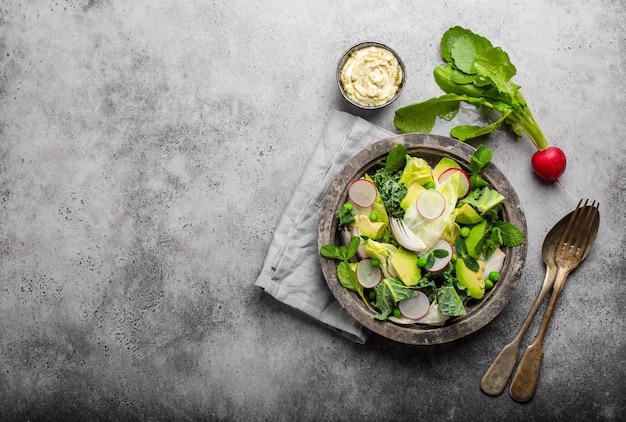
[568, 256]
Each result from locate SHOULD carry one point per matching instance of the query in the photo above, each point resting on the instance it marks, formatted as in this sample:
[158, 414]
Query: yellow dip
[371, 76]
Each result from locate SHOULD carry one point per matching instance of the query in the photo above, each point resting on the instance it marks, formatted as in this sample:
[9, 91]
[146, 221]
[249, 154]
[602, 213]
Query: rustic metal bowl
[431, 148]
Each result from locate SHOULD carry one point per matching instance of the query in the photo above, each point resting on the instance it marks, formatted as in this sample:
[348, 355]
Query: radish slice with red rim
[441, 261]
[431, 204]
[415, 307]
[367, 275]
[495, 262]
[362, 192]
[464, 185]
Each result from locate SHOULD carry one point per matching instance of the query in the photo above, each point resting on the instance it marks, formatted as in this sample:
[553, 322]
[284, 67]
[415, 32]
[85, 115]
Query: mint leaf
[355, 242]
[347, 276]
[430, 260]
[461, 248]
[471, 263]
[480, 159]
[396, 159]
[509, 233]
[330, 251]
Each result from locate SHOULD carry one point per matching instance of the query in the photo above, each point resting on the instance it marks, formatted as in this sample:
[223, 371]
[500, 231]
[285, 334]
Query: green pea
[429, 185]
[465, 231]
[375, 262]
[494, 276]
[348, 205]
[422, 261]
[397, 313]
[488, 284]
[374, 216]
[371, 295]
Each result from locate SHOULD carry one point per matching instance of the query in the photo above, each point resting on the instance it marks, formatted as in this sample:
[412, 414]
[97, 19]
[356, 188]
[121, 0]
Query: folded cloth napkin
[291, 271]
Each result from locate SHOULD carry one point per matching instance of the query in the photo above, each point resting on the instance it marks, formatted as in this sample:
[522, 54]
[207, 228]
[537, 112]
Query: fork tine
[590, 219]
[582, 231]
[580, 236]
[568, 232]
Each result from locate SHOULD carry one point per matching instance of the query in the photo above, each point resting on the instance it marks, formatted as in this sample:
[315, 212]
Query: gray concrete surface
[147, 149]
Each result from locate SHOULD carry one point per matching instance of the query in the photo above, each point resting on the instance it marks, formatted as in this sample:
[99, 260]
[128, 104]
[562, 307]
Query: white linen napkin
[291, 271]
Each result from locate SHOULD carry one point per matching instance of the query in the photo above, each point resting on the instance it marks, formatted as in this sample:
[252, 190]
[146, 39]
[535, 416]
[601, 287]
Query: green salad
[419, 243]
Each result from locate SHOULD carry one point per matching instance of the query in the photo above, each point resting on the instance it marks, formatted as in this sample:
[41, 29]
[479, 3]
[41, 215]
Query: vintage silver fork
[582, 226]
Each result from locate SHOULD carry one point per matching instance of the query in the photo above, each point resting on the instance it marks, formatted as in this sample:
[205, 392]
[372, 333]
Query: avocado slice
[411, 195]
[368, 228]
[404, 264]
[474, 241]
[473, 281]
[444, 164]
[466, 214]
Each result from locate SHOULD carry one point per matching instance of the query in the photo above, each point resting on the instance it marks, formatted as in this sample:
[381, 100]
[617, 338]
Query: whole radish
[549, 163]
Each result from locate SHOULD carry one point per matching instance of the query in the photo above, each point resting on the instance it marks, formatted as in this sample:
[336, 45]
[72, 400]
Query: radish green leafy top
[477, 73]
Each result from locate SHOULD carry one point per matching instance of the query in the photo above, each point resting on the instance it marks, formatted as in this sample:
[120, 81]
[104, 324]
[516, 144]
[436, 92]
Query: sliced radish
[368, 275]
[495, 262]
[441, 262]
[464, 185]
[431, 204]
[415, 307]
[405, 237]
[362, 192]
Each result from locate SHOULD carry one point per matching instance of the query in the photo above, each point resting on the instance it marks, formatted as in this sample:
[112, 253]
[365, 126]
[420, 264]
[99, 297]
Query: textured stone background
[148, 148]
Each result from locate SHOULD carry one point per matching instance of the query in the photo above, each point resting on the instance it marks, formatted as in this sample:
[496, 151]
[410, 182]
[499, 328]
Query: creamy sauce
[371, 76]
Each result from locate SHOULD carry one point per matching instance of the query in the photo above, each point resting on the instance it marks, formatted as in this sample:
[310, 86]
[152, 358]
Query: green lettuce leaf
[449, 302]
[388, 293]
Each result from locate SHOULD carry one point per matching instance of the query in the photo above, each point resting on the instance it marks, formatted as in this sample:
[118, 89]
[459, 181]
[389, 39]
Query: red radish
[368, 275]
[431, 204]
[549, 163]
[495, 262]
[464, 186]
[415, 307]
[440, 262]
[362, 192]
